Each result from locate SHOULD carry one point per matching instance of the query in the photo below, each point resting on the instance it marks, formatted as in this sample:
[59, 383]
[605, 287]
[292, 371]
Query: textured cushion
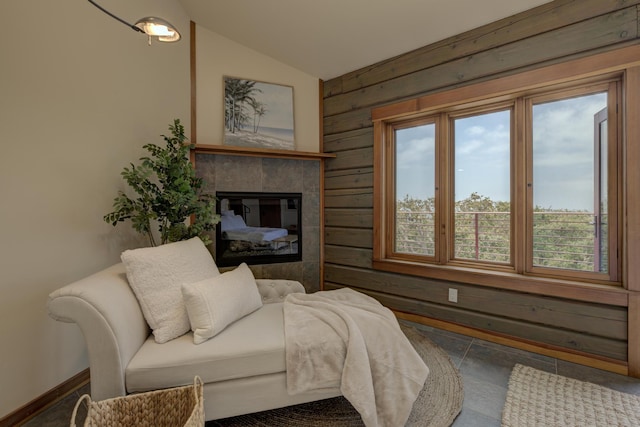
[214, 303]
[156, 276]
[252, 346]
[275, 290]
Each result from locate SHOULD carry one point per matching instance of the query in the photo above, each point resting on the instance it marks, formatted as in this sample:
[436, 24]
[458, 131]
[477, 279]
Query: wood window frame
[390, 208]
[449, 119]
[613, 89]
[623, 62]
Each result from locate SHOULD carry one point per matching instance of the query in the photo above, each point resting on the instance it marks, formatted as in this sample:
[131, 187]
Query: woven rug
[437, 405]
[536, 398]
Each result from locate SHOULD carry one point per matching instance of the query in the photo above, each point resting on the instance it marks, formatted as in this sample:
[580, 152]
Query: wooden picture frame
[258, 114]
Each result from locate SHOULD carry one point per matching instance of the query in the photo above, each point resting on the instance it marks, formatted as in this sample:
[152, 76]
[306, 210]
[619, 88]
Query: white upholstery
[254, 345]
[156, 275]
[275, 290]
[109, 316]
[216, 302]
[243, 367]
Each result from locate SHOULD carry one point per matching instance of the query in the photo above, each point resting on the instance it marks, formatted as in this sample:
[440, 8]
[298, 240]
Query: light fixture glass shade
[157, 27]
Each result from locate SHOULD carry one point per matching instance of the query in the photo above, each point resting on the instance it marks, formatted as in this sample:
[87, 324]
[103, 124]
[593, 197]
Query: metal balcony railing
[568, 240]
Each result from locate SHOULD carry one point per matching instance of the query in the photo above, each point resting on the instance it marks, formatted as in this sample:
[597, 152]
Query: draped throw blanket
[346, 340]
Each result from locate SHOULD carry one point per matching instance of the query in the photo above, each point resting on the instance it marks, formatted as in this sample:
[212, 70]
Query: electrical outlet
[453, 295]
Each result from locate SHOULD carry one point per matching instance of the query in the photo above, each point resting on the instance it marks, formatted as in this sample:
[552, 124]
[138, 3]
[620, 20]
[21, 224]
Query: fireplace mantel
[231, 150]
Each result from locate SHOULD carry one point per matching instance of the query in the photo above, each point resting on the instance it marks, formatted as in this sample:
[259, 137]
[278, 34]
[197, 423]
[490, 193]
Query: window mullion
[614, 180]
[387, 183]
[527, 189]
[519, 173]
[443, 189]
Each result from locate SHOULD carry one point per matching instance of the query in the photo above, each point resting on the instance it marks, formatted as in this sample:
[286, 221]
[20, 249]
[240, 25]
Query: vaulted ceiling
[329, 38]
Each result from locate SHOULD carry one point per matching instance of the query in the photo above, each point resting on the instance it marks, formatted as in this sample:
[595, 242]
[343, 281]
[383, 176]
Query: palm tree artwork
[258, 114]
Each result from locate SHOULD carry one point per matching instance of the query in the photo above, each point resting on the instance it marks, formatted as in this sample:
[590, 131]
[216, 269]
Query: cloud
[476, 130]
[469, 146]
[563, 143]
[415, 147]
[563, 154]
[415, 159]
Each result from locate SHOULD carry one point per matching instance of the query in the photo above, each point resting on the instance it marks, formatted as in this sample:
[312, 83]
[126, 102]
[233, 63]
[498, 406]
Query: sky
[562, 153]
[279, 104]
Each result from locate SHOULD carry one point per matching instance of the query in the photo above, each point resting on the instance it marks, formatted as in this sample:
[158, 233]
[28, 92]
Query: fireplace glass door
[258, 228]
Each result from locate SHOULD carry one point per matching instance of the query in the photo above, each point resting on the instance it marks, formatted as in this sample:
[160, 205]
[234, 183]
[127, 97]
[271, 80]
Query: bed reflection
[258, 228]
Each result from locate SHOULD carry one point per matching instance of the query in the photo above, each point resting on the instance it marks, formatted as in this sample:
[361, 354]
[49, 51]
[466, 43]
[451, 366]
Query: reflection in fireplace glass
[258, 228]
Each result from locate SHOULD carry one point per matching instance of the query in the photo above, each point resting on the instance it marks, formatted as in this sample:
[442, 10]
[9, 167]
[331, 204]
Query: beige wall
[75, 108]
[218, 56]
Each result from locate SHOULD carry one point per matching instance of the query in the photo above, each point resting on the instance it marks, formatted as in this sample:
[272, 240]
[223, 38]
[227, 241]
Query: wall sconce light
[150, 25]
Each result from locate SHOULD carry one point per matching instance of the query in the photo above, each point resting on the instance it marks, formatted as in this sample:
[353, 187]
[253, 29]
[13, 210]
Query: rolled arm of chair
[111, 321]
[274, 290]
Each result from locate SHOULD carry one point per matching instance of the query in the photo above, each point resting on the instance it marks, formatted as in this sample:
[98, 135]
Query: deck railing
[569, 240]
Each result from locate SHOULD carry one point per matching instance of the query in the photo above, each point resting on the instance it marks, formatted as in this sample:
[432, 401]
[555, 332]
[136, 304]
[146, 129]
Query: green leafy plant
[168, 193]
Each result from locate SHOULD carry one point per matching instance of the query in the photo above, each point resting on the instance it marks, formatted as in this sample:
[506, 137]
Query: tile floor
[484, 366]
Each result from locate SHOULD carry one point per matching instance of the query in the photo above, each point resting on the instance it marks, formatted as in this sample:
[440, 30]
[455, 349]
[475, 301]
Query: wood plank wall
[551, 33]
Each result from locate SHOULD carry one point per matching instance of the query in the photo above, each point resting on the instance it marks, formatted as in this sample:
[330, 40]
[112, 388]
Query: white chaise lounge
[242, 367]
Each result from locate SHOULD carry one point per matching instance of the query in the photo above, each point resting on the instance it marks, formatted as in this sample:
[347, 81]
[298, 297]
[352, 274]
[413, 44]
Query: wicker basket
[172, 407]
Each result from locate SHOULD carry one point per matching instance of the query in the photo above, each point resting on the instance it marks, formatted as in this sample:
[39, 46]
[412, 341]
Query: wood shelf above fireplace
[231, 150]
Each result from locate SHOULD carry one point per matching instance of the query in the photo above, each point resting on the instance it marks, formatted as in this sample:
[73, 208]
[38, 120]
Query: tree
[168, 193]
[415, 225]
[259, 110]
[561, 238]
[478, 203]
[237, 93]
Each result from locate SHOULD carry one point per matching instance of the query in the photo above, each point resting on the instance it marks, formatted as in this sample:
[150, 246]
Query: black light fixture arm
[133, 27]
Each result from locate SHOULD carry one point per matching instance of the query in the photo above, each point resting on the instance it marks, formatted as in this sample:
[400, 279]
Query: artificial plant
[168, 194]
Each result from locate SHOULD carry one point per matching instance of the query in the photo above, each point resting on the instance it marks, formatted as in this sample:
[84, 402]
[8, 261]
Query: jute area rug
[437, 405]
[536, 398]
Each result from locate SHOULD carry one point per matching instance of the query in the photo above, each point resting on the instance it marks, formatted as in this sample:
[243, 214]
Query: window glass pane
[569, 183]
[415, 190]
[483, 187]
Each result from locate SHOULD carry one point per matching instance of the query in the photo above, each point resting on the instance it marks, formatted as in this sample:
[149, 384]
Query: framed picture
[258, 114]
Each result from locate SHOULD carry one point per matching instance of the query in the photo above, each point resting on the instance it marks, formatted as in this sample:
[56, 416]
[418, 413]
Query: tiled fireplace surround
[273, 175]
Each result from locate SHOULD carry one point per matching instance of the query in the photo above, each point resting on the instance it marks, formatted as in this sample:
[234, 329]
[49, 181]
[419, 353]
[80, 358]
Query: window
[415, 232]
[482, 187]
[523, 183]
[570, 174]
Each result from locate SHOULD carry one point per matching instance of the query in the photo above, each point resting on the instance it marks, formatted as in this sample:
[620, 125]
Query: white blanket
[346, 340]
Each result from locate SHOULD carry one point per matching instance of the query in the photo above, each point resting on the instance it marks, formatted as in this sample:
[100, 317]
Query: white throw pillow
[215, 303]
[156, 276]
